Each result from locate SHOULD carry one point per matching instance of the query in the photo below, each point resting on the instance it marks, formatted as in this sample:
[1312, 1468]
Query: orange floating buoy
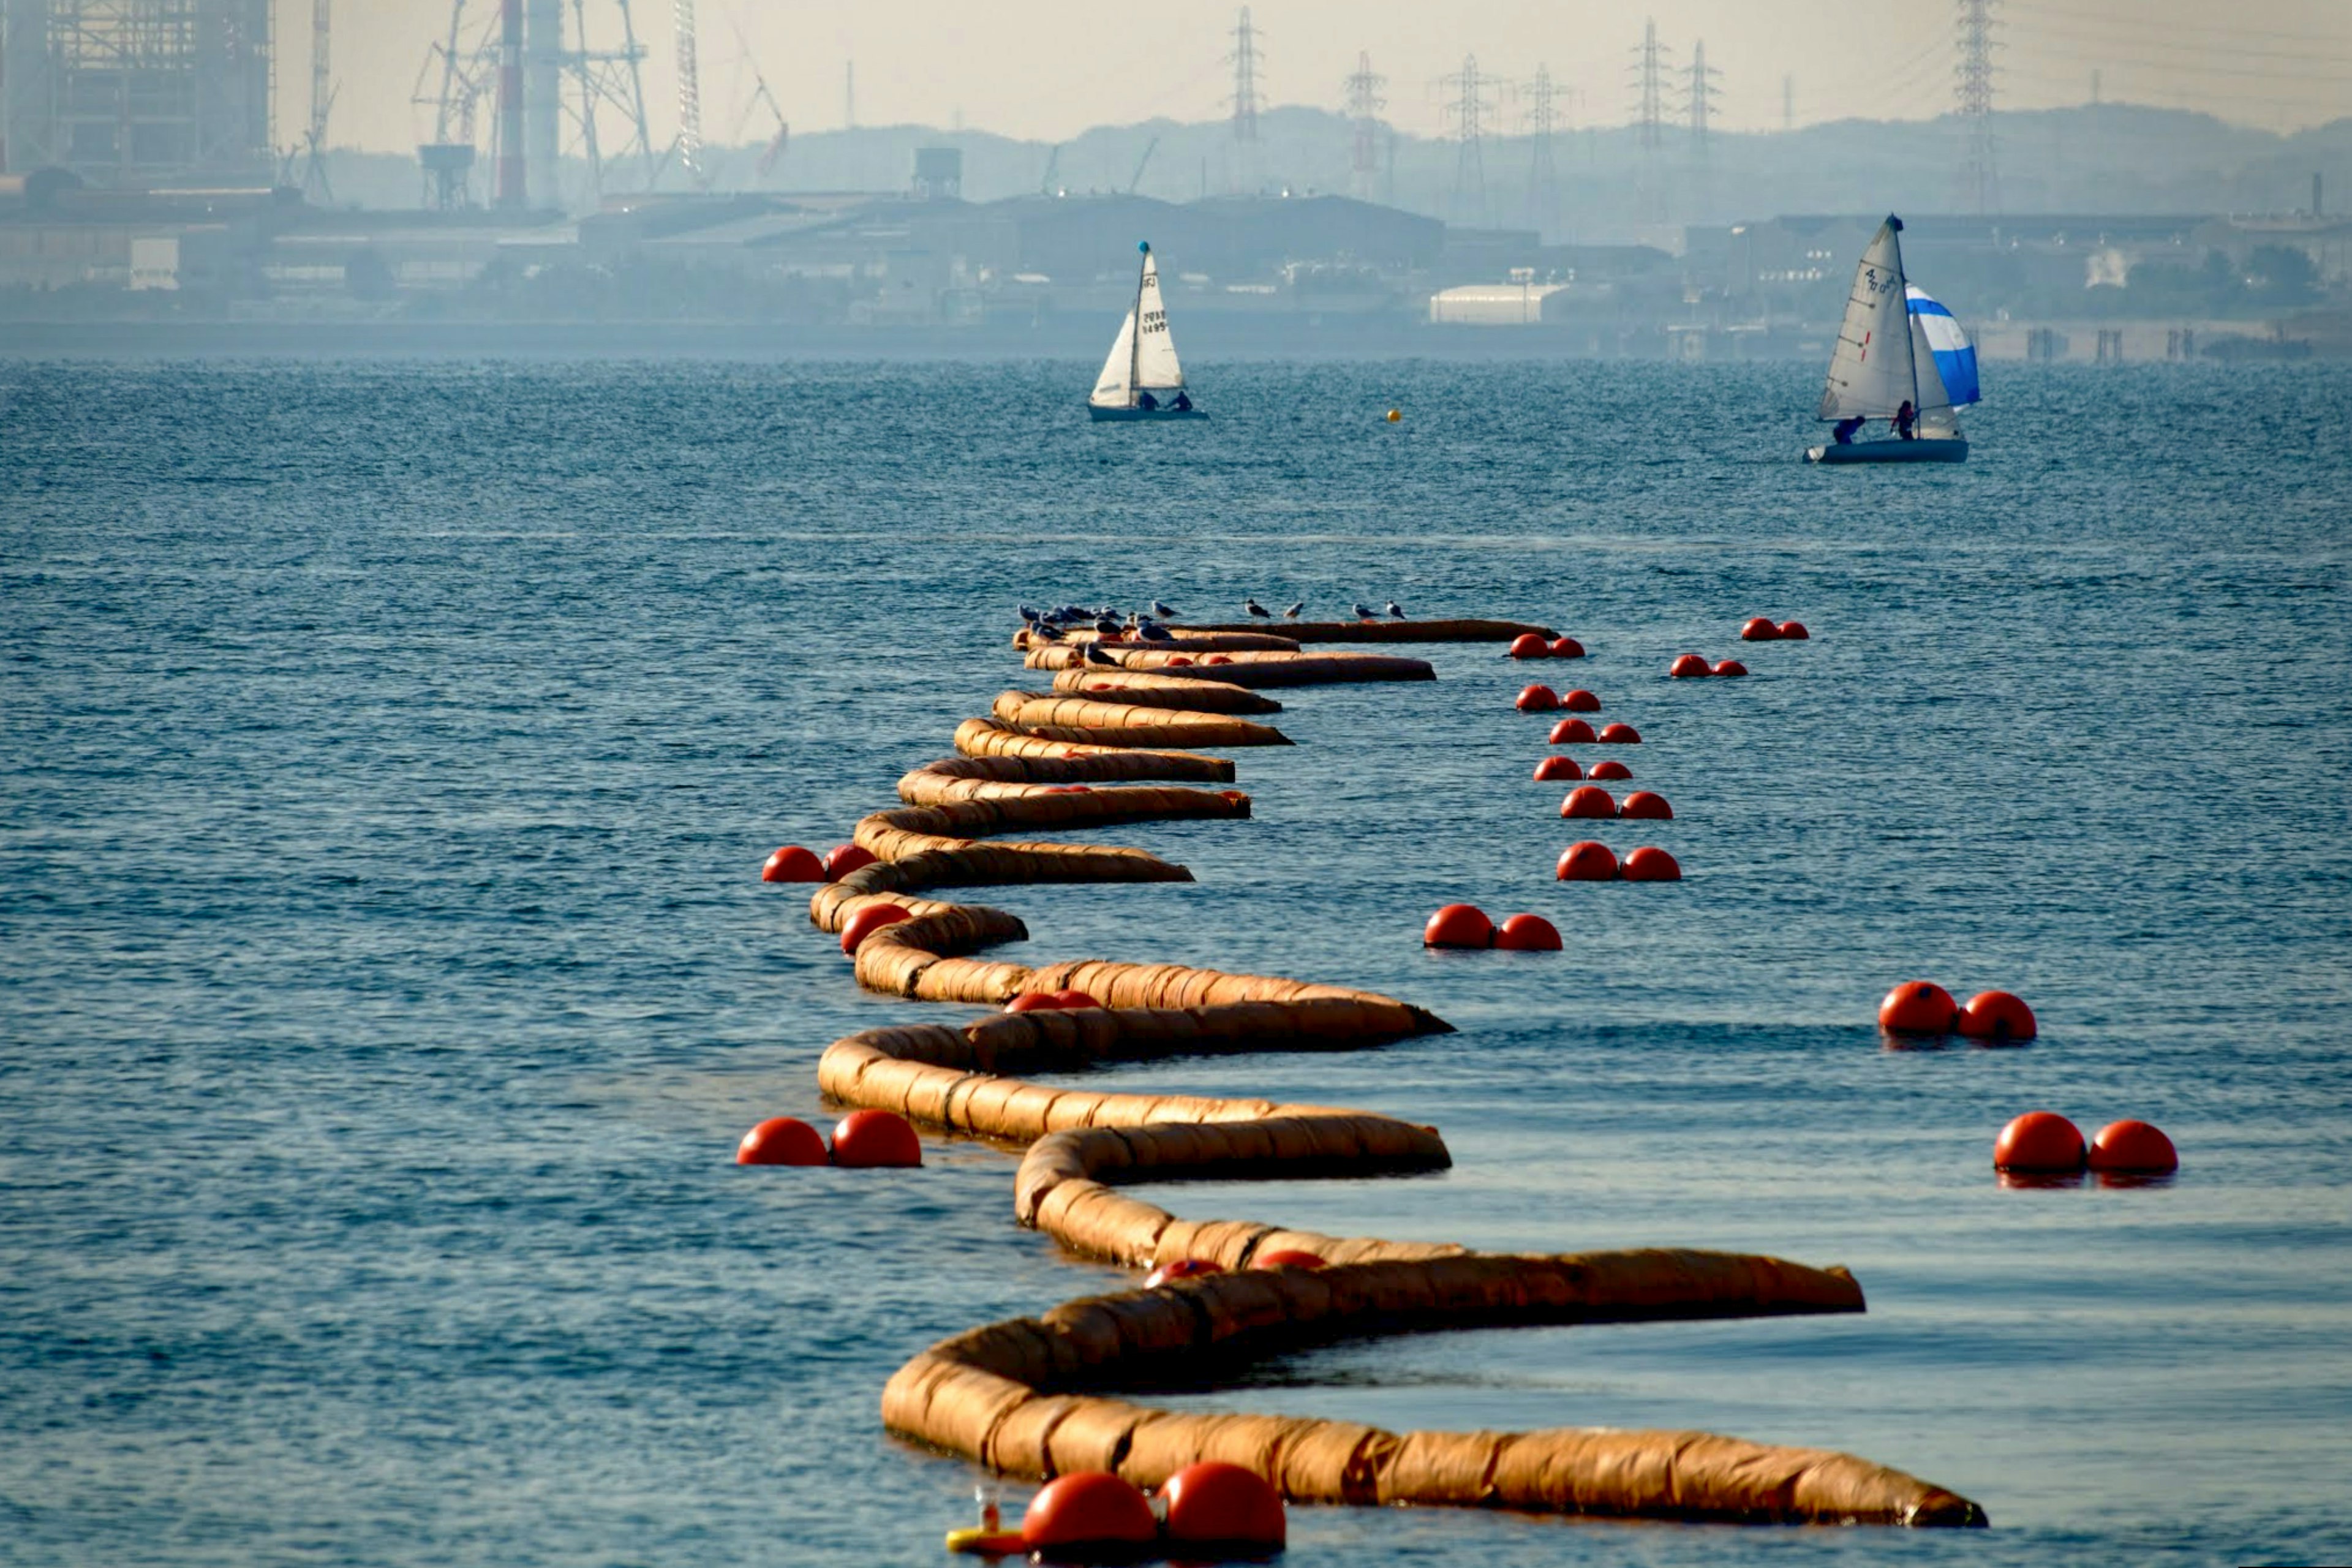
[1567, 647]
[1588, 800]
[1918, 1007]
[1286, 1257]
[1527, 645]
[1586, 861]
[1688, 666]
[1556, 767]
[1537, 700]
[866, 922]
[1997, 1016]
[1214, 1503]
[1794, 631]
[2135, 1147]
[1033, 1002]
[1619, 734]
[1458, 925]
[782, 1140]
[843, 859]
[869, 1140]
[1527, 933]
[793, 864]
[1066, 999]
[1178, 661]
[1759, 630]
[1581, 701]
[2039, 1141]
[1610, 768]
[1181, 1268]
[1650, 864]
[1572, 731]
[1728, 667]
[1088, 1508]
[1217, 659]
[1647, 805]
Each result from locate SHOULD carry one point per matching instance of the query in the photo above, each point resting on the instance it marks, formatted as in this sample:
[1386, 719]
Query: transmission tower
[1245, 61]
[689, 99]
[1972, 82]
[1703, 94]
[322, 99]
[1543, 178]
[1469, 105]
[1364, 106]
[1649, 71]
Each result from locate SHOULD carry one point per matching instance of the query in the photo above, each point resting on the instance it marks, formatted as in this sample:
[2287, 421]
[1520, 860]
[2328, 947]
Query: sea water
[391, 749]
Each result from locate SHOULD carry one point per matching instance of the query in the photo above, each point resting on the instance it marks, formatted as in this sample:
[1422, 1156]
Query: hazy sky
[1047, 69]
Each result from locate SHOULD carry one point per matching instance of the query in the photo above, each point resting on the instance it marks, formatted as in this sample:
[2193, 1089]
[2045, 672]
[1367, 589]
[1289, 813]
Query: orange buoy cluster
[1760, 629]
[2045, 1142]
[1692, 667]
[1528, 645]
[1589, 860]
[1591, 799]
[1923, 1007]
[862, 1140]
[1466, 925]
[1214, 1509]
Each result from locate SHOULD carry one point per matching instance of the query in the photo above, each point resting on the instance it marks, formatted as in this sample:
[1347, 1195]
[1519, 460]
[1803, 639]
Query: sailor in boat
[1183, 403]
[1904, 418]
[1843, 431]
[1146, 402]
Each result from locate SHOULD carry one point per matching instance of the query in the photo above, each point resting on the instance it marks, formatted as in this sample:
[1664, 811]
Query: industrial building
[137, 94]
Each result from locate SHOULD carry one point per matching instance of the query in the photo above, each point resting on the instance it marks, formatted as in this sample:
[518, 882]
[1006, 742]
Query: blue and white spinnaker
[1955, 357]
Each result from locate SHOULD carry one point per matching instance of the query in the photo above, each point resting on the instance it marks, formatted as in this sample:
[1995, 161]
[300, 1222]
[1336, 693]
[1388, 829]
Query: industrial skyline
[1033, 68]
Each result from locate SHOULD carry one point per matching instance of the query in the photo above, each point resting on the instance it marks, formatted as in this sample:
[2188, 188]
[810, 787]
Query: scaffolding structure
[139, 93]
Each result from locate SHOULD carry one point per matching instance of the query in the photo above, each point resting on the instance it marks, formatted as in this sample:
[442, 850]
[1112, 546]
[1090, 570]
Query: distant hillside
[2114, 158]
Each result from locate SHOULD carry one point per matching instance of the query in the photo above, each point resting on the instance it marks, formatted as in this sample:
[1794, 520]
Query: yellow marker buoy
[1395, 414]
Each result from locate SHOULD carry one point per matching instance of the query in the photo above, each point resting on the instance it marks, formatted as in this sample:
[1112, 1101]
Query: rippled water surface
[384, 976]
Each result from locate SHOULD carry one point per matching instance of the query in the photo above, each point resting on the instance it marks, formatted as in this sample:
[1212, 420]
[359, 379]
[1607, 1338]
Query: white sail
[1112, 388]
[1155, 350]
[1874, 371]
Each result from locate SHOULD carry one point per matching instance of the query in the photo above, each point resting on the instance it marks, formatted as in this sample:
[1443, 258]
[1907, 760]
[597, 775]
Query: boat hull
[1096, 412]
[1924, 450]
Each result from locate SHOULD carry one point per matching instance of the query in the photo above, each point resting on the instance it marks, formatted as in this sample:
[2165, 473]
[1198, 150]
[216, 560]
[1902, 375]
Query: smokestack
[542, 97]
[510, 195]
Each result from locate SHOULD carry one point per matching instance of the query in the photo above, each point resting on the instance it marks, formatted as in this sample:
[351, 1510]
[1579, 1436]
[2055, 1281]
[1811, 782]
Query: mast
[1903, 292]
[1135, 339]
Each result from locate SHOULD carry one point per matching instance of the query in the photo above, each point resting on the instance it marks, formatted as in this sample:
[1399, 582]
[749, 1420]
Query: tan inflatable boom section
[1032, 1396]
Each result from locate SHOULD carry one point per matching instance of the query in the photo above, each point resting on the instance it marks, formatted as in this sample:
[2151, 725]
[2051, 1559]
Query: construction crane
[322, 99]
[1053, 163]
[760, 94]
[1136, 179]
[690, 100]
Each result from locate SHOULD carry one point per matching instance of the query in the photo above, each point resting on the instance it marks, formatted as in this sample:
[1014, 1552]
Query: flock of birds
[1147, 624]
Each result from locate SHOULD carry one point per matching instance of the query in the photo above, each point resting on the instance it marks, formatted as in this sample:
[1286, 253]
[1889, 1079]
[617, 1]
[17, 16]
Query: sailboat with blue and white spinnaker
[1896, 350]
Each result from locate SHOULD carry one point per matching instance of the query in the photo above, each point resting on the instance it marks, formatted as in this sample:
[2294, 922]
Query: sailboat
[1896, 346]
[1141, 379]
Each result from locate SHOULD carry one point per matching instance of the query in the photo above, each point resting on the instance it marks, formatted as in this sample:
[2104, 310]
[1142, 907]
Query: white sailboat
[1896, 347]
[1141, 379]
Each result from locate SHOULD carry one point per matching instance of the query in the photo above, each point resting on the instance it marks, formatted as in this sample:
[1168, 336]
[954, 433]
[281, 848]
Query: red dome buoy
[1033, 1002]
[1567, 647]
[1218, 659]
[1687, 666]
[1179, 661]
[867, 1139]
[1527, 933]
[2133, 1146]
[1572, 731]
[1088, 1508]
[793, 864]
[1997, 1016]
[1588, 800]
[2039, 1141]
[1557, 767]
[1647, 806]
[1586, 861]
[1214, 1503]
[843, 859]
[1066, 999]
[1728, 667]
[1581, 701]
[782, 1140]
[1285, 1257]
[1610, 768]
[866, 922]
[1181, 1268]
[1527, 645]
[1619, 735]
[1918, 1007]
[1537, 700]
[1458, 925]
[1651, 864]
[1794, 631]
[1759, 630]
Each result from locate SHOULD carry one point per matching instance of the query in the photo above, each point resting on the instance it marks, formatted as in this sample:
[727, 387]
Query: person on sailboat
[1146, 402]
[1183, 403]
[1844, 430]
[1904, 418]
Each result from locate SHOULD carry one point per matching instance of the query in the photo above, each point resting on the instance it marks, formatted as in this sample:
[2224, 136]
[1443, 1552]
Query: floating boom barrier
[1033, 1396]
[1383, 631]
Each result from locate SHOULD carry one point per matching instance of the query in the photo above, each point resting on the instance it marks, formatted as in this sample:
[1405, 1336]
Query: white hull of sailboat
[1097, 412]
[1921, 449]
